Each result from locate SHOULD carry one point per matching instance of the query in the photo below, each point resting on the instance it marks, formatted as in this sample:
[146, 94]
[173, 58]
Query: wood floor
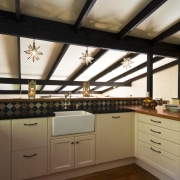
[129, 172]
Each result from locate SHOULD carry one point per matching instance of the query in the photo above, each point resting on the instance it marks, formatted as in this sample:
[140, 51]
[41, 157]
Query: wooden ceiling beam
[58, 60]
[56, 82]
[83, 14]
[155, 59]
[172, 30]
[96, 57]
[141, 16]
[32, 27]
[17, 7]
[113, 66]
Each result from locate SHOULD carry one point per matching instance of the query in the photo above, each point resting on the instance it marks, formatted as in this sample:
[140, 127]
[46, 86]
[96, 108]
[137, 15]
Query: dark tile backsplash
[51, 105]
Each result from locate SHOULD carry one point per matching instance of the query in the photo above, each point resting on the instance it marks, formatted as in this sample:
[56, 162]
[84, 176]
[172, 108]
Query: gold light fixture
[86, 57]
[86, 89]
[33, 51]
[32, 89]
[127, 62]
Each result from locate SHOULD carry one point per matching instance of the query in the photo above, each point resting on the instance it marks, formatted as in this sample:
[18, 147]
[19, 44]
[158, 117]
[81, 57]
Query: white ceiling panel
[103, 62]
[70, 62]
[162, 62]
[8, 58]
[159, 21]
[112, 16]
[56, 10]
[120, 70]
[132, 75]
[40, 68]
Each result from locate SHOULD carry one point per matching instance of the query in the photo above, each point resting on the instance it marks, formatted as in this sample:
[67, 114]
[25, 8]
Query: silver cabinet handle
[155, 121]
[115, 116]
[158, 132]
[155, 150]
[29, 156]
[30, 124]
[155, 142]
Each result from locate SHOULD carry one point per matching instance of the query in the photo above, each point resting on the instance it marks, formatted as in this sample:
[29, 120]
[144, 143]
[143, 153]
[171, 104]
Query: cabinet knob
[77, 142]
[72, 142]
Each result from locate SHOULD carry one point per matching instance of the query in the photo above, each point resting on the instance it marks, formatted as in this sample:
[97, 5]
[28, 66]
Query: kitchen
[61, 71]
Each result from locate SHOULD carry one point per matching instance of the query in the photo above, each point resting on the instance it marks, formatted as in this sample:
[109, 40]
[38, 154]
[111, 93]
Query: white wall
[165, 85]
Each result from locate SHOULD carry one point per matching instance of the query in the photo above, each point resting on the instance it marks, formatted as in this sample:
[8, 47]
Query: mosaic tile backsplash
[52, 105]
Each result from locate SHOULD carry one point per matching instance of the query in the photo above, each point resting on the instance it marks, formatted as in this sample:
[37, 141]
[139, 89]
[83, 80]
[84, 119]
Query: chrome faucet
[66, 102]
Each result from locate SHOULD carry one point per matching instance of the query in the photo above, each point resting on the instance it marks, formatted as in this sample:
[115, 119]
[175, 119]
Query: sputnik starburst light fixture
[33, 51]
[86, 57]
[127, 62]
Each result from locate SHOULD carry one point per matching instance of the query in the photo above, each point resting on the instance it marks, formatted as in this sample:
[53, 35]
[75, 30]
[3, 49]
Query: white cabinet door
[72, 152]
[114, 137]
[62, 154]
[29, 133]
[29, 163]
[84, 150]
[5, 149]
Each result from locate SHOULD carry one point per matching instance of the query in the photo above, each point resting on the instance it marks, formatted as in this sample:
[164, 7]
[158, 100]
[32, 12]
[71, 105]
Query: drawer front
[29, 133]
[162, 144]
[172, 136]
[159, 159]
[161, 122]
[29, 163]
[112, 116]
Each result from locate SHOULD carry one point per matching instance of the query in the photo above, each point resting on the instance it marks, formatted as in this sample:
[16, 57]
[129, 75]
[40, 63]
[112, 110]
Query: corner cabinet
[158, 143]
[72, 152]
[113, 136]
[5, 149]
[29, 148]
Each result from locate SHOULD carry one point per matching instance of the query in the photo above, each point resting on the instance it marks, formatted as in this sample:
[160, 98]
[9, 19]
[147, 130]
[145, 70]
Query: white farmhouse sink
[72, 122]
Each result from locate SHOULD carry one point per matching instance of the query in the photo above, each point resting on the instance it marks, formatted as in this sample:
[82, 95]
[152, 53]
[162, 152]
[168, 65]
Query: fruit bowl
[149, 103]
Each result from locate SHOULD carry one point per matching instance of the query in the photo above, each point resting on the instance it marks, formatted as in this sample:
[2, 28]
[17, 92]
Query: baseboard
[152, 170]
[87, 170]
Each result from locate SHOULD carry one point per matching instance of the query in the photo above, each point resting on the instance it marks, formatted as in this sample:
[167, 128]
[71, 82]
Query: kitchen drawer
[29, 133]
[172, 136]
[161, 122]
[29, 163]
[162, 144]
[163, 161]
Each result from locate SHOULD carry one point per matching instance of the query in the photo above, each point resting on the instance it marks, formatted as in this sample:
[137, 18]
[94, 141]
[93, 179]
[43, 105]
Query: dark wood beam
[178, 78]
[155, 59]
[36, 28]
[19, 59]
[172, 30]
[171, 64]
[38, 92]
[58, 60]
[18, 12]
[113, 66]
[150, 74]
[56, 82]
[85, 11]
[141, 16]
[96, 57]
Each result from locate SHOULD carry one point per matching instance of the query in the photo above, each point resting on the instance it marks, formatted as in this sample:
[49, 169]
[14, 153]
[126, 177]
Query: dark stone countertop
[24, 114]
[38, 113]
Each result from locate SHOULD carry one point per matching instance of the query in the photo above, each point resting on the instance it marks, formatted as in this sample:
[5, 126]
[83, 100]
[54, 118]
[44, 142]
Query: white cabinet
[72, 152]
[5, 149]
[29, 148]
[113, 137]
[158, 143]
